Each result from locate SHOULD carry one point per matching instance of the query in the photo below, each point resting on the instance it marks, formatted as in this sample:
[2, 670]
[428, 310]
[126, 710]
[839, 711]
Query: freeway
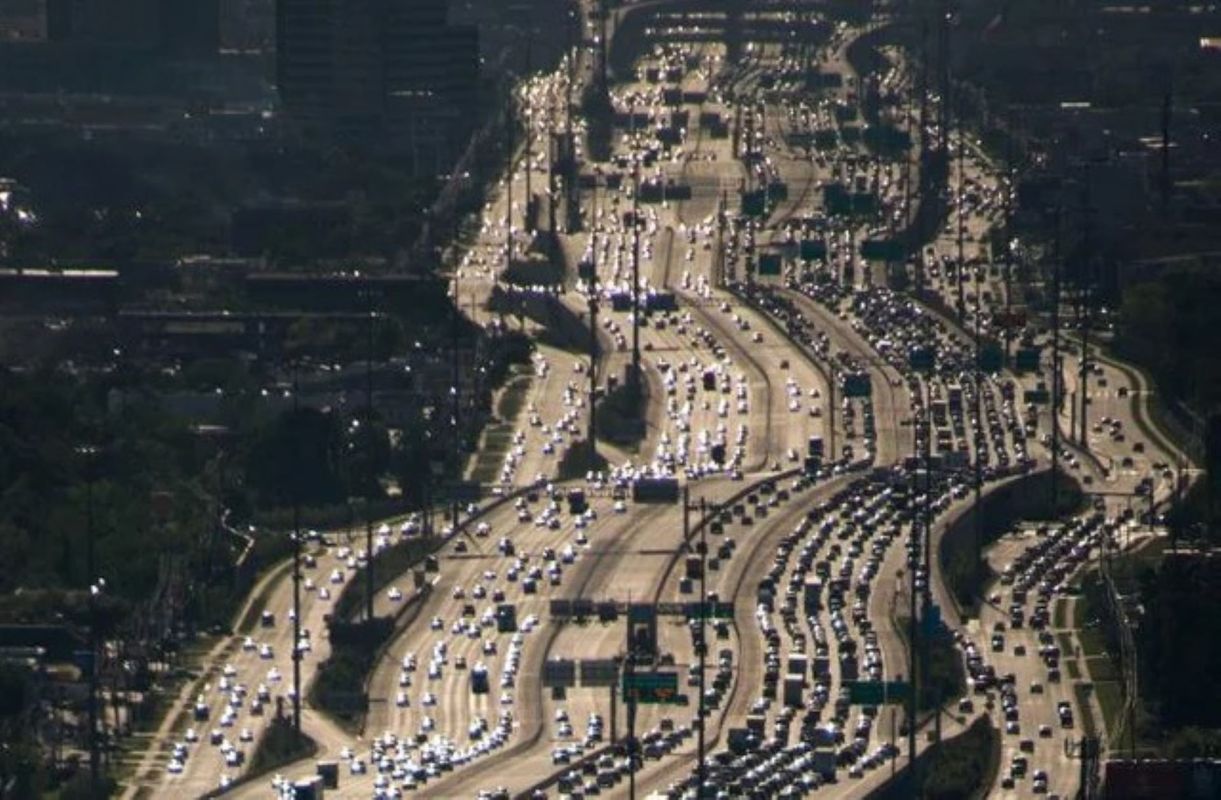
[757, 365]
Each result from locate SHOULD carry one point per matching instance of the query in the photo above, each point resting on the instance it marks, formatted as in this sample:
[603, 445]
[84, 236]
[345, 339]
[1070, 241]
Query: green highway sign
[656, 688]
[709, 610]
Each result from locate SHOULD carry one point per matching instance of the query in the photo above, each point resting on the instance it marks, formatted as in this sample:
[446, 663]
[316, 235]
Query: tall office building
[177, 27]
[190, 27]
[389, 73]
[59, 19]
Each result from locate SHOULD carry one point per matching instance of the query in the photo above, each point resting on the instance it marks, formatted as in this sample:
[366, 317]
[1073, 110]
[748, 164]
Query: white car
[394, 594]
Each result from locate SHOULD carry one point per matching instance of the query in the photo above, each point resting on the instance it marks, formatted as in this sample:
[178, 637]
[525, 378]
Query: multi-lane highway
[743, 368]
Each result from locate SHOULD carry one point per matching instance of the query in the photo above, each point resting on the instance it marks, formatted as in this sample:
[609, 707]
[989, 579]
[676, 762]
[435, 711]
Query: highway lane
[626, 567]
[522, 759]
[249, 666]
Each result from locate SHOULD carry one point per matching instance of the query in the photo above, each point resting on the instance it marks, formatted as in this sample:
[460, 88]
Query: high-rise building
[178, 27]
[190, 27]
[59, 19]
[392, 73]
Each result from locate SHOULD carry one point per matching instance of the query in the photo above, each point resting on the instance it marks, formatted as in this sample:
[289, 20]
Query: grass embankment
[949, 676]
[1028, 498]
[255, 612]
[1081, 695]
[964, 766]
[389, 566]
[280, 745]
[498, 437]
[338, 688]
[1100, 655]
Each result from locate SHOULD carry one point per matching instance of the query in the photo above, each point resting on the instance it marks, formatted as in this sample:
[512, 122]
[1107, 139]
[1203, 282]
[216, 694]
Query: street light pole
[703, 641]
[95, 767]
[593, 340]
[636, 377]
[1055, 367]
[296, 569]
[369, 453]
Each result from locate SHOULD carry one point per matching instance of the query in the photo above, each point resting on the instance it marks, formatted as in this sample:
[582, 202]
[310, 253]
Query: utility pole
[636, 376]
[924, 138]
[529, 122]
[980, 440]
[574, 50]
[91, 589]
[455, 392]
[602, 6]
[1055, 365]
[297, 564]
[508, 188]
[629, 667]
[369, 449]
[908, 238]
[593, 344]
[962, 219]
[913, 666]
[927, 594]
[703, 640]
[1086, 280]
[1167, 109]
[1010, 174]
[943, 48]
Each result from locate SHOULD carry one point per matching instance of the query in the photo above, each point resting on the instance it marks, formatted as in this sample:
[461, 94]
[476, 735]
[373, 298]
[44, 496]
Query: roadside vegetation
[1028, 498]
[338, 689]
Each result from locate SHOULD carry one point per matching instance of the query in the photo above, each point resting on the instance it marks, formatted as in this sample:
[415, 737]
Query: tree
[297, 456]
